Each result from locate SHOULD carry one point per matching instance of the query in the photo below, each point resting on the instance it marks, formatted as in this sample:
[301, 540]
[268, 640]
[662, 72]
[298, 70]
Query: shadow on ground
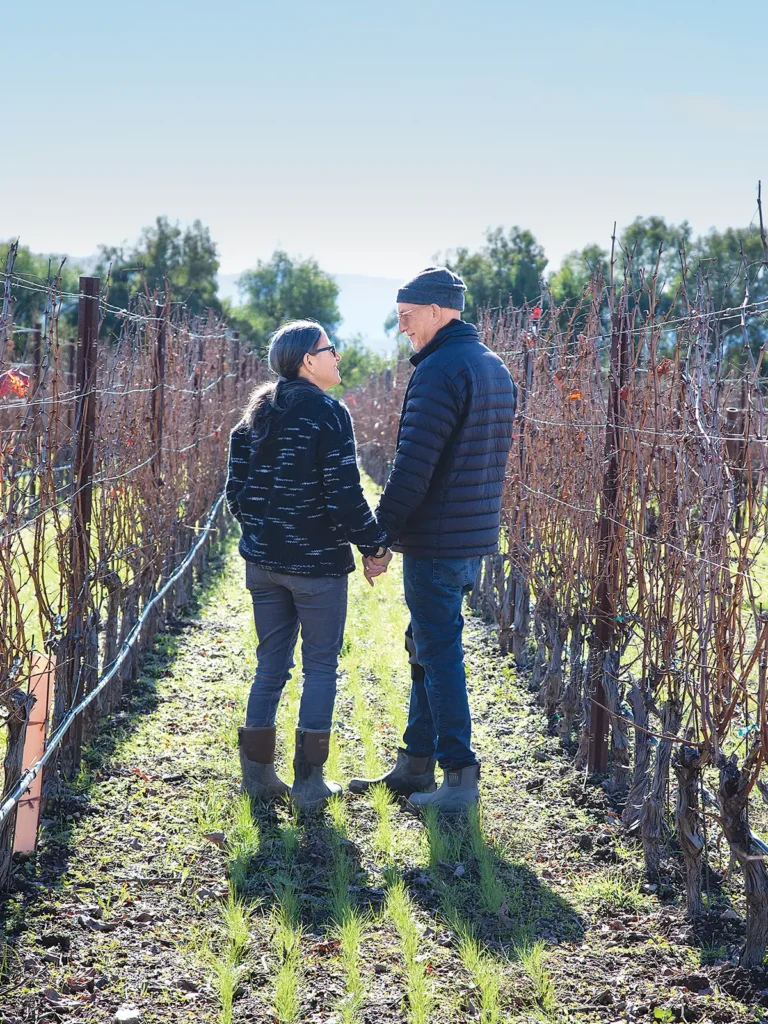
[467, 887]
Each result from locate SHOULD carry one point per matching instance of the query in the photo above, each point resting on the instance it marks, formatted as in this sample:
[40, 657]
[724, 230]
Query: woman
[294, 487]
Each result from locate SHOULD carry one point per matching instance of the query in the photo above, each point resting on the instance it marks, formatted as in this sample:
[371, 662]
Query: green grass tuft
[605, 894]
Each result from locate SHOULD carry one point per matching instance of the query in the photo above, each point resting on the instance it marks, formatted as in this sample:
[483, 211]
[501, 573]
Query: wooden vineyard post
[520, 596]
[18, 705]
[71, 382]
[198, 389]
[37, 361]
[82, 501]
[34, 396]
[158, 393]
[6, 311]
[608, 548]
[236, 367]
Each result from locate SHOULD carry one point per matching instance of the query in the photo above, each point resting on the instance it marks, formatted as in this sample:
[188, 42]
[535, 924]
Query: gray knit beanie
[435, 284]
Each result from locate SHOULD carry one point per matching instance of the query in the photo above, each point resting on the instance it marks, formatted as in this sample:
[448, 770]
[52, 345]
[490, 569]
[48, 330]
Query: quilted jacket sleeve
[432, 412]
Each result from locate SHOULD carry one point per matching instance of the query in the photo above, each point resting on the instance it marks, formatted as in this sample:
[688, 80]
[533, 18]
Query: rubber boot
[310, 791]
[257, 763]
[458, 792]
[410, 775]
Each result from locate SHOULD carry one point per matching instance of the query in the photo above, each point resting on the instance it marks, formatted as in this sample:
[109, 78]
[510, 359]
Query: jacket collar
[454, 330]
[297, 383]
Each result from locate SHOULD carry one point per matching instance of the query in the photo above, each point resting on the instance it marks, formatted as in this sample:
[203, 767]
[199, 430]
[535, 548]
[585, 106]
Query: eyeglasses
[404, 315]
[328, 348]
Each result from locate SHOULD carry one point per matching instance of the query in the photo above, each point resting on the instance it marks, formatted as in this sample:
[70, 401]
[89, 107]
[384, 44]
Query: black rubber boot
[257, 763]
[457, 794]
[410, 775]
[310, 791]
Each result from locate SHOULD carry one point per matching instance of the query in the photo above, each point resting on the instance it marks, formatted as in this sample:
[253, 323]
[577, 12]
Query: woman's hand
[373, 567]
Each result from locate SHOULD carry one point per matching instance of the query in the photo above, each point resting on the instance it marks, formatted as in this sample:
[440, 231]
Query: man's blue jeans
[439, 722]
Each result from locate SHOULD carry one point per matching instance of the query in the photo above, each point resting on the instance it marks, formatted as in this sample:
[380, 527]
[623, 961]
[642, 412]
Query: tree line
[511, 266]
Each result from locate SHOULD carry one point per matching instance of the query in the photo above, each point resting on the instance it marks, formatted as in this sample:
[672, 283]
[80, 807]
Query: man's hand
[384, 561]
[373, 567]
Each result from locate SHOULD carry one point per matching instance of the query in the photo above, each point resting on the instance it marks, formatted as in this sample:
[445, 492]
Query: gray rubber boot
[456, 795]
[410, 775]
[310, 791]
[257, 763]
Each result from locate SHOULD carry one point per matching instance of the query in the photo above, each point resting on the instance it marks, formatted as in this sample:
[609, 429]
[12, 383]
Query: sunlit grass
[418, 986]
[227, 962]
[605, 894]
[383, 804]
[532, 957]
[244, 840]
[287, 934]
[348, 923]
[487, 974]
[492, 891]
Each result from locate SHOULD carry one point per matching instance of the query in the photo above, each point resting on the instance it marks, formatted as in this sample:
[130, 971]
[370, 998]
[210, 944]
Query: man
[441, 509]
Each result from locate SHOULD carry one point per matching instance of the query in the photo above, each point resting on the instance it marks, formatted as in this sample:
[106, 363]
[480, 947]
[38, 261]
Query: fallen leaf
[504, 916]
[326, 946]
[56, 998]
[96, 926]
[218, 838]
[186, 985]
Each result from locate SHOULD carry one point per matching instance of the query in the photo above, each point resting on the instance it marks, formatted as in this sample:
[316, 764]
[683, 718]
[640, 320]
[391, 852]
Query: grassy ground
[160, 895]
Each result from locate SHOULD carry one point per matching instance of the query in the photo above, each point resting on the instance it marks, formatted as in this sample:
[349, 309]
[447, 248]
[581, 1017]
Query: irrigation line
[54, 741]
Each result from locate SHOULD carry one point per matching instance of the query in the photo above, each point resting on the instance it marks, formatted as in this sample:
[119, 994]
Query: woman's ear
[303, 369]
[307, 363]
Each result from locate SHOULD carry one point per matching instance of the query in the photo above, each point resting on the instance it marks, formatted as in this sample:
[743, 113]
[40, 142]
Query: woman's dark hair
[287, 348]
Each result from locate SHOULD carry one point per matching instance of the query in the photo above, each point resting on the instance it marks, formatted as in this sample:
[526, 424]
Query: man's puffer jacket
[443, 496]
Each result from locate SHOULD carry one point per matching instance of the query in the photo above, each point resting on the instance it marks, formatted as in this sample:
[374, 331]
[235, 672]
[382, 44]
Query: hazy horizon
[364, 303]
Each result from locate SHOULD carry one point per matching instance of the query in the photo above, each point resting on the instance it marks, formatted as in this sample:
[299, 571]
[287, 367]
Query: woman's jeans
[281, 603]
[439, 722]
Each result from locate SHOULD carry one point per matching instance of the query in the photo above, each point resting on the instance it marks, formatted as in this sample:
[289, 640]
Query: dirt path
[158, 897]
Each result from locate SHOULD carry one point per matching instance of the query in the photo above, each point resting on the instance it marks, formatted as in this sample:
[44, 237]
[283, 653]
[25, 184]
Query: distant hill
[365, 303]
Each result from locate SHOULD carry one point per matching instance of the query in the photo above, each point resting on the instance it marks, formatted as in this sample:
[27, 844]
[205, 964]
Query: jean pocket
[306, 586]
[455, 573]
[256, 577]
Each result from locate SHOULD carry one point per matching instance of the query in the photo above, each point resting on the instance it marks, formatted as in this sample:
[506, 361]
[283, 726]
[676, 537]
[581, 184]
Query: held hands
[373, 567]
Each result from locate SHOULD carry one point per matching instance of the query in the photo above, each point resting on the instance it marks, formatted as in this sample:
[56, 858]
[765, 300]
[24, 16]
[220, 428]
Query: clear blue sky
[372, 136]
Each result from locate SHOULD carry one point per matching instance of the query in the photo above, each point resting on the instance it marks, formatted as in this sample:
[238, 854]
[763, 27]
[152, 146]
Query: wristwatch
[380, 552]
